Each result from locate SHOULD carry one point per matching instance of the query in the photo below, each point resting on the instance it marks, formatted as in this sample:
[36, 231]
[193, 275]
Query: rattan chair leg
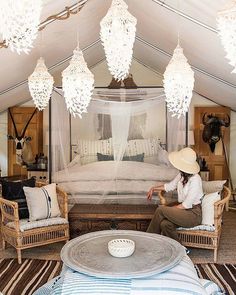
[19, 255]
[3, 244]
[215, 255]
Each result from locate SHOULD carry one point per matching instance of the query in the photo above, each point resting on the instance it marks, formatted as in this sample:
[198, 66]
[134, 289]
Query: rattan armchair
[207, 239]
[32, 237]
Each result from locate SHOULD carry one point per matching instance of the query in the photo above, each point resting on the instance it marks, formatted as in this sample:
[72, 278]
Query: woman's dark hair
[185, 176]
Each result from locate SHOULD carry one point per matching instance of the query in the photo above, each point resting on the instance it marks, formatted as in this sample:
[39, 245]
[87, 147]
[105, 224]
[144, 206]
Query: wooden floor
[227, 249]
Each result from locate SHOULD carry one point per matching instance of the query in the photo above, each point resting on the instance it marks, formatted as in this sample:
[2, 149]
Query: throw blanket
[181, 279]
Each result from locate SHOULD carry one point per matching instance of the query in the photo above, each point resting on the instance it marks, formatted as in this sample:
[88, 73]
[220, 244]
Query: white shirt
[190, 194]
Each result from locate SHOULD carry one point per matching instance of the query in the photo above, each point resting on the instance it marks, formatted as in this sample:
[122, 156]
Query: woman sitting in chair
[187, 212]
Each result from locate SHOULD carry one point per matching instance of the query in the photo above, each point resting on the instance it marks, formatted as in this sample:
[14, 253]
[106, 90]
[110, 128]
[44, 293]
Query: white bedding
[111, 170]
[108, 182]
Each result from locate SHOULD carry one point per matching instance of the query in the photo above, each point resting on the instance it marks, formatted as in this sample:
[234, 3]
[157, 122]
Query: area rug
[224, 275]
[27, 277]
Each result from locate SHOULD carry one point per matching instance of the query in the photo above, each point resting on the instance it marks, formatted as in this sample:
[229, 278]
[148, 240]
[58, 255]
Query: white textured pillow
[92, 147]
[208, 207]
[212, 186]
[42, 202]
[149, 147]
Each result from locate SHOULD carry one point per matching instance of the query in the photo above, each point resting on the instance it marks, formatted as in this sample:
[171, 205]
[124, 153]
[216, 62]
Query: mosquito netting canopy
[118, 150]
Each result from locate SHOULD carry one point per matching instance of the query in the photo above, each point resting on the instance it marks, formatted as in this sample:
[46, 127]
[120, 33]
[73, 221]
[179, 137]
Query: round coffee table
[153, 254]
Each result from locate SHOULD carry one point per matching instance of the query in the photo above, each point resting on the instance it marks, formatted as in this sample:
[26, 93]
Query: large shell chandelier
[117, 33]
[226, 23]
[40, 84]
[19, 21]
[77, 84]
[178, 83]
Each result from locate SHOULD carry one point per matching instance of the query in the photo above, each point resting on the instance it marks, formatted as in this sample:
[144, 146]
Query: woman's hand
[150, 193]
[153, 190]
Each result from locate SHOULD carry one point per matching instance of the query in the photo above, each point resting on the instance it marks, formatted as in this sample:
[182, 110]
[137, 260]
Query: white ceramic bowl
[121, 247]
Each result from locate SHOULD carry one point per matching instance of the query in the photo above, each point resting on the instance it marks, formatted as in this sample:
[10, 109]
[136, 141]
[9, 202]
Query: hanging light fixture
[19, 21]
[117, 33]
[77, 84]
[178, 83]
[40, 84]
[226, 22]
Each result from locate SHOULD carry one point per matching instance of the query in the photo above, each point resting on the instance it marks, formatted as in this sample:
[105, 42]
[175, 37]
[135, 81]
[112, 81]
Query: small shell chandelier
[77, 84]
[178, 83]
[226, 23]
[117, 33]
[19, 21]
[40, 84]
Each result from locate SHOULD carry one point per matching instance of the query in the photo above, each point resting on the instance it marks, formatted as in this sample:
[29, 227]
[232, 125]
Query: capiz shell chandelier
[178, 83]
[226, 22]
[117, 33]
[40, 85]
[77, 84]
[19, 21]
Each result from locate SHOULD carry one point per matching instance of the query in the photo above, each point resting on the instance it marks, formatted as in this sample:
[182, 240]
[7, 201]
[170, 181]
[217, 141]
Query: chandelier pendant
[77, 84]
[117, 34]
[40, 84]
[226, 23]
[19, 21]
[178, 83]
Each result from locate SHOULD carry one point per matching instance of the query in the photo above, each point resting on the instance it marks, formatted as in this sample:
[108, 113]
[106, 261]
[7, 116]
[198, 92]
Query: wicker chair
[207, 239]
[32, 237]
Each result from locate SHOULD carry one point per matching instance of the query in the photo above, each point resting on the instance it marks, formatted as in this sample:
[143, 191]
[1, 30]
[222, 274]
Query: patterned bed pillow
[42, 202]
[149, 147]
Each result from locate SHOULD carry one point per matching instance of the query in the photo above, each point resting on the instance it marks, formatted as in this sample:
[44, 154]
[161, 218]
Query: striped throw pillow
[42, 202]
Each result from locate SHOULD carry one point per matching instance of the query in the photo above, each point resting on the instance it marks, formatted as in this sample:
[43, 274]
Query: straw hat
[185, 160]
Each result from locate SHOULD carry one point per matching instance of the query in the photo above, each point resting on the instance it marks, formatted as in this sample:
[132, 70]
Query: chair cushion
[198, 227]
[42, 202]
[25, 224]
[13, 191]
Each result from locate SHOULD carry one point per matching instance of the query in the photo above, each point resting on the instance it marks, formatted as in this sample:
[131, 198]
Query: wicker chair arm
[9, 212]
[62, 198]
[219, 207]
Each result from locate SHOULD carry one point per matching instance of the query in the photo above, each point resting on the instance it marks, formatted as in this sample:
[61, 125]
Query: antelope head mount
[20, 139]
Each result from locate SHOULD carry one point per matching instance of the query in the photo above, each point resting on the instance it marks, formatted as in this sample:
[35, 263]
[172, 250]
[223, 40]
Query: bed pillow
[136, 158]
[149, 147]
[42, 202]
[13, 191]
[213, 186]
[101, 157]
[88, 149]
[208, 207]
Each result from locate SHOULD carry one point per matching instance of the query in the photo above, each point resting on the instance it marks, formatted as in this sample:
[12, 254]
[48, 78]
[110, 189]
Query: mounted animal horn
[14, 124]
[24, 130]
[224, 122]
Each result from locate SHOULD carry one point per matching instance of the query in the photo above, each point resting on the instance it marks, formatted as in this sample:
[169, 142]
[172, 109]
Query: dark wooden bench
[84, 218]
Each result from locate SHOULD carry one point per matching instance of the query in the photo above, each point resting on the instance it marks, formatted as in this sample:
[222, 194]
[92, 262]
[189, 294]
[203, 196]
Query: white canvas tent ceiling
[157, 32]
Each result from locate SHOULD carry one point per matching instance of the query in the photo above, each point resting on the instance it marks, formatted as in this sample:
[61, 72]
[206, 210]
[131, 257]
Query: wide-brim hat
[185, 160]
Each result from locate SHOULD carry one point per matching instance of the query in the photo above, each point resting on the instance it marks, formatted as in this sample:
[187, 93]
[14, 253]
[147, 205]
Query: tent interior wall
[156, 37]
